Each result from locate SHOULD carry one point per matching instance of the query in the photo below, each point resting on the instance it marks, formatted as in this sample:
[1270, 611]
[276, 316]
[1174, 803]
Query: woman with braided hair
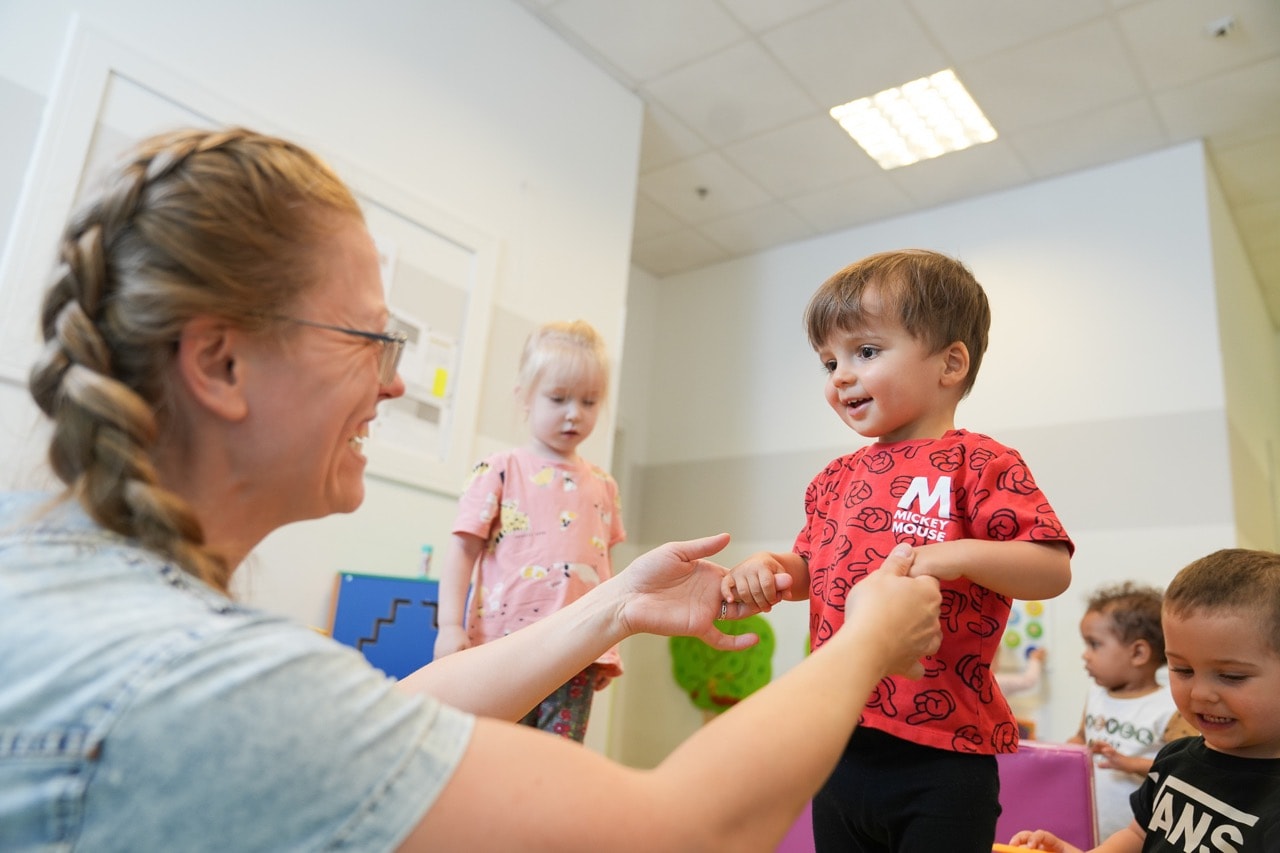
[214, 354]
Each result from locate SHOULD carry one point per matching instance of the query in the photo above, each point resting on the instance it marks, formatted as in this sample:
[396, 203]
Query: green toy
[716, 680]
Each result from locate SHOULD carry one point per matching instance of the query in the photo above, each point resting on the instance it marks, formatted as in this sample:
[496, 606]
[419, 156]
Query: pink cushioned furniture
[1048, 786]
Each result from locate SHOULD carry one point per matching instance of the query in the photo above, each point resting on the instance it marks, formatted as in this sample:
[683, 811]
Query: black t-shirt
[1202, 800]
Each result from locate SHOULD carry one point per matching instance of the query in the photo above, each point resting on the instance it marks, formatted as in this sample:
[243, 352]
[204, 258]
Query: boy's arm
[455, 576]
[1127, 840]
[1018, 569]
[753, 580]
[1113, 760]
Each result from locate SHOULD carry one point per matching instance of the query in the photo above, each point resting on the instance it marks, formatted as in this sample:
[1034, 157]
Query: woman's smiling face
[317, 391]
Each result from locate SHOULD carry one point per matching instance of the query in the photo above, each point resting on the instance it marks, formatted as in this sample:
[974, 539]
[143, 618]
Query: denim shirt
[142, 710]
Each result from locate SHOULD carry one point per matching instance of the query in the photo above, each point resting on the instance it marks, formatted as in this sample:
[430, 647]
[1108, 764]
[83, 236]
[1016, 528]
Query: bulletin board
[437, 272]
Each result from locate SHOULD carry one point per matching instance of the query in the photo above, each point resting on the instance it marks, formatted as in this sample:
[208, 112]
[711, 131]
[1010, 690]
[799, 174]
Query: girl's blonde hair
[567, 350]
[222, 223]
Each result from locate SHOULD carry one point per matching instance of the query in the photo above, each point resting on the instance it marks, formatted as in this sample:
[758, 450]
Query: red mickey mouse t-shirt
[961, 486]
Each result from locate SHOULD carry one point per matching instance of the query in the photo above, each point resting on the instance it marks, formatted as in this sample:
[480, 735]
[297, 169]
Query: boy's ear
[955, 364]
[1140, 652]
[208, 368]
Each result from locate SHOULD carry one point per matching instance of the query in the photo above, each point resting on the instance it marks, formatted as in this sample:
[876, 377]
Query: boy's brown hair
[1134, 611]
[1231, 579]
[935, 298]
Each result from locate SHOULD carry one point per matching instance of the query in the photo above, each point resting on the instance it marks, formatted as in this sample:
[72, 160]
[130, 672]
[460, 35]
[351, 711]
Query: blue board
[391, 620]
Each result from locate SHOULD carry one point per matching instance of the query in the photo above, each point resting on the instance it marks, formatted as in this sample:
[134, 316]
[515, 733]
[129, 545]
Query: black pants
[888, 794]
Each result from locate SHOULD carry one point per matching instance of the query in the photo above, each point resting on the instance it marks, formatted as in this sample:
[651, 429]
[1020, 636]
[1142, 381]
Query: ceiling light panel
[915, 121]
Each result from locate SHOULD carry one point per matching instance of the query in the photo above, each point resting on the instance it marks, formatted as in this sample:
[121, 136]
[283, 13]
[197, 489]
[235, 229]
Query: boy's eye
[867, 351]
[829, 365]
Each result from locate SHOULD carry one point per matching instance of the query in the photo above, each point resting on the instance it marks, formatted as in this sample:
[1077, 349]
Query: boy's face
[1225, 679]
[1108, 659]
[884, 383]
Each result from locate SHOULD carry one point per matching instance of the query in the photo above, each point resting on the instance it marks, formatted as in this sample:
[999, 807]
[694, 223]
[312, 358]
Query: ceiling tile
[1172, 45]
[649, 39]
[758, 229]
[733, 94]
[852, 203]
[665, 139]
[1243, 103]
[760, 15]
[1111, 133]
[652, 220]
[800, 157]
[978, 27]
[1054, 78]
[854, 48]
[728, 190]
[1250, 171]
[971, 172]
[672, 253]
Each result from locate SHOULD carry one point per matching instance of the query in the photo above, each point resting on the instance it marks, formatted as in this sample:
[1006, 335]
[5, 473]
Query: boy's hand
[1041, 839]
[757, 582]
[930, 560]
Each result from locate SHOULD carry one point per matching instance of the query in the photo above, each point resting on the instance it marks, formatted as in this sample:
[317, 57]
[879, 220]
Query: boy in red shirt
[901, 335]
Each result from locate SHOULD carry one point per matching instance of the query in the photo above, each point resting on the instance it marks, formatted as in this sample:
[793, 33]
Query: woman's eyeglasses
[388, 354]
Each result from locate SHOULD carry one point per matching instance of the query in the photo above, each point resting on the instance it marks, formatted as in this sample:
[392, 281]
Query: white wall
[1105, 369]
[472, 106]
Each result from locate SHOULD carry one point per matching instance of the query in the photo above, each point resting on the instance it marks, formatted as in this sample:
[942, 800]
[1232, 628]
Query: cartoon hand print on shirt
[983, 625]
[872, 519]
[966, 739]
[566, 518]
[932, 705]
[879, 461]
[1047, 528]
[953, 605]
[544, 476]
[882, 698]
[979, 458]
[820, 500]
[1003, 525]
[949, 460]
[1017, 479]
[859, 492]
[1005, 737]
[977, 676]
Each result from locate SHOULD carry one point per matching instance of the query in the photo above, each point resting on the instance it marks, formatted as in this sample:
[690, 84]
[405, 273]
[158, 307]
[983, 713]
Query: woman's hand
[902, 612]
[674, 591]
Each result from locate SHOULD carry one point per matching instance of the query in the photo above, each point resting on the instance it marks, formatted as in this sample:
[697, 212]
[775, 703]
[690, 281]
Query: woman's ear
[955, 364]
[208, 369]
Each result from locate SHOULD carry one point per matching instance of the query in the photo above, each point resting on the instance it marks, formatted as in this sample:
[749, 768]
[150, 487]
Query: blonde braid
[219, 223]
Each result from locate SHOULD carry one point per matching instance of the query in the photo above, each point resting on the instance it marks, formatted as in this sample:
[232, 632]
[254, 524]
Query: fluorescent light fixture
[916, 121]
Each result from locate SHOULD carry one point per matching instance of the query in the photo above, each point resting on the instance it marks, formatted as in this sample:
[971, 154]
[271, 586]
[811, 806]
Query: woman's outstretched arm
[736, 784]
